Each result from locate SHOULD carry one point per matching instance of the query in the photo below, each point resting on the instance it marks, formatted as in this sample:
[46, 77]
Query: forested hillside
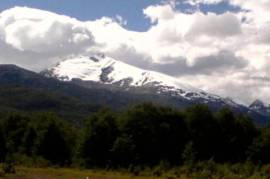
[141, 135]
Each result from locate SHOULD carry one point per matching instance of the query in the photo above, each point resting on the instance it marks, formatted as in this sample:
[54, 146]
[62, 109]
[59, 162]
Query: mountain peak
[100, 71]
[257, 104]
[260, 107]
[100, 67]
[108, 71]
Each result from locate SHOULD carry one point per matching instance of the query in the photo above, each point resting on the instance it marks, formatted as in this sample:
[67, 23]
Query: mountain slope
[260, 107]
[25, 90]
[108, 73]
[16, 76]
[105, 70]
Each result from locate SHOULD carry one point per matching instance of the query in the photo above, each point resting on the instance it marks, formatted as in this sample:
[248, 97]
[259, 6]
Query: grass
[65, 173]
[217, 171]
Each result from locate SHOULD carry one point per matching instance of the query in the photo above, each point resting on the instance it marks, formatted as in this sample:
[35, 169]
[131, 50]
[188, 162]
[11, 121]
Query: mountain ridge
[106, 70]
[112, 74]
[260, 107]
[23, 89]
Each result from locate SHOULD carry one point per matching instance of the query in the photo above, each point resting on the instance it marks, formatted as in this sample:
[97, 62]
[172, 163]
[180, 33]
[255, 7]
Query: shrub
[9, 166]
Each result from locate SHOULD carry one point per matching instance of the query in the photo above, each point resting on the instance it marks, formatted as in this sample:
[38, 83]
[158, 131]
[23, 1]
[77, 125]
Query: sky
[91, 9]
[85, 10]
[221, 46]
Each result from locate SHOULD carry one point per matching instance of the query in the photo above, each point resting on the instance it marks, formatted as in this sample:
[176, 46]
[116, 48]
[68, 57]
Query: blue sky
[130, 10]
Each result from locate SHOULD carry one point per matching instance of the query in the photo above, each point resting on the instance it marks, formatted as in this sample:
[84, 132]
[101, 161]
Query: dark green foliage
[189, 154]
[25, 99]
[14, 127]
[3, 149]
[52, 142]
[29, 141]
[142, 135]
[98, 136]
[8, 168]
[236, 136]
[124, 150]
[151, 133]
[43, 135]
[204, 131]
[260, 150]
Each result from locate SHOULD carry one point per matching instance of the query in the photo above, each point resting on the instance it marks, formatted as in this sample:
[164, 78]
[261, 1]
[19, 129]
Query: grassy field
[65, 173]
[53, 173]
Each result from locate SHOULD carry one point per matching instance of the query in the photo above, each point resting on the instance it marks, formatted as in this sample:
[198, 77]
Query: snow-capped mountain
[106, 70]
[260, 107]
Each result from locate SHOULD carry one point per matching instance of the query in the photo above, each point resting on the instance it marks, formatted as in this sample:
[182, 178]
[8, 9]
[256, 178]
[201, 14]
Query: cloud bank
[227, 54]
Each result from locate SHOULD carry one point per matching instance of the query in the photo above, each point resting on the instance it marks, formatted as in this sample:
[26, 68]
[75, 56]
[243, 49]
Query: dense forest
[142, 135]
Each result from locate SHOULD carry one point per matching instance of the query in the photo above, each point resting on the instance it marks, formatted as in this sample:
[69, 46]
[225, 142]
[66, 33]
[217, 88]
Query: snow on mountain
[257, 104]
[106, 70]
[260, 107]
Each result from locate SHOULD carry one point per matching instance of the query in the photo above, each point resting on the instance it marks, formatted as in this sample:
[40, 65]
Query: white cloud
[159, 12]
[195, 2]
[44, 33]
[121, 20]
[227, 54]
[223, 25]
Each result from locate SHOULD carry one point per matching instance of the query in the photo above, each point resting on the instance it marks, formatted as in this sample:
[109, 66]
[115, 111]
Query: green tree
[204, 131]
[3, 149]
[52, 143]
[97, 139]
[123, 150]
[189, 155]
[259, 150]
[153, 133]
[14, 127]
[237, 133]
[29, 140]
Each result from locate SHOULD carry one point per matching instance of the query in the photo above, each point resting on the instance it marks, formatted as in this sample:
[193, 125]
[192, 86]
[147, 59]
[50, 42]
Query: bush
[266, 170]
[249, 168]
[135, 170]
[205, 174]
[161, 168]
[41, 162]
[189, 157]
[9, 165]
[21, 159]
[8, 168]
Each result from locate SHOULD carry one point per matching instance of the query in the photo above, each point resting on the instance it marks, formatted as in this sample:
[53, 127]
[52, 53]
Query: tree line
[142, 135]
